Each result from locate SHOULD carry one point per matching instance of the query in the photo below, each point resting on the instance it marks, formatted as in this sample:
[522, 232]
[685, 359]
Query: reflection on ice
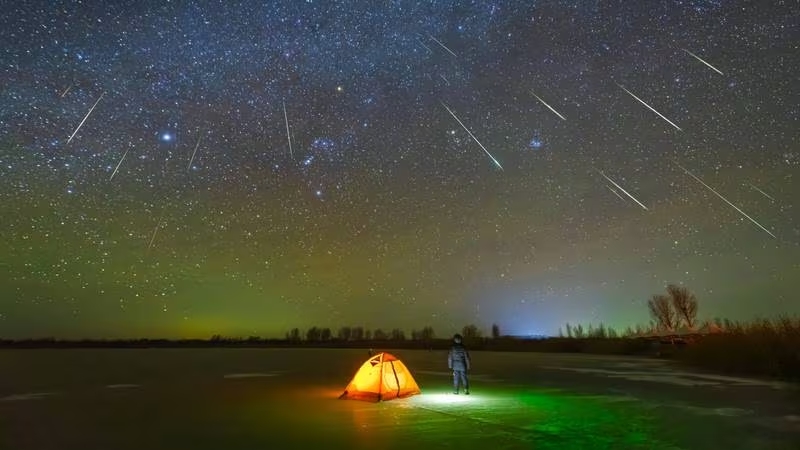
[444, 399]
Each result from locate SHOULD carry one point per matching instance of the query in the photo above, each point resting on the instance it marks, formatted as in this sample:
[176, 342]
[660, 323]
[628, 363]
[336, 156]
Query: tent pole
[395, 378]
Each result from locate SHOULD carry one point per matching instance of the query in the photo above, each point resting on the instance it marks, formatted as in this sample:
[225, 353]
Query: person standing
[458, 361]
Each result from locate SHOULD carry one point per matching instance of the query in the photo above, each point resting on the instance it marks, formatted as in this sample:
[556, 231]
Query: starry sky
[183, 169]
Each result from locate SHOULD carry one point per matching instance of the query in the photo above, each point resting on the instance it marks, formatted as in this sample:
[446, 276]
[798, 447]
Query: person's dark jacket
[458, 359]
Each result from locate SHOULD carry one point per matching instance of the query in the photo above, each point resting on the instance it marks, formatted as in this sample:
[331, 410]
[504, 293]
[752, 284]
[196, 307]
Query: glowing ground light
[447, 399]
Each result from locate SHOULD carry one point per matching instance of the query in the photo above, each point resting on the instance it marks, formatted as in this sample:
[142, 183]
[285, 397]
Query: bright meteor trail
[548, 106]
[650, 107]
[623, 190]
[702, 61]
[288, 134]
[472, 136]
[723, 198]
[118, 164]
[442, 45]
[85, 117]
[191, 160]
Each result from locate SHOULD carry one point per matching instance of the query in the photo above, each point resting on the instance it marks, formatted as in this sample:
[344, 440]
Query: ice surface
[250, 375]
[23, 397]
[287, 398]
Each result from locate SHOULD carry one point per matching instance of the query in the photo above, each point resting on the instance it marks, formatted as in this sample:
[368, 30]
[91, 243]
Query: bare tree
[598, 333]
[325, 334]
[661, 311]
[293, 335]
[495, 331]
[685, 305]
[569, 331]
[313, 334]
[629, 332]
[357, 333]
[344, 334]
[379, 335]
[398, 335]
[425, 334]
[470, 332]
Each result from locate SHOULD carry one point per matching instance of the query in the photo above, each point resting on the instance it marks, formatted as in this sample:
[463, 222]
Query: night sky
[187, 168]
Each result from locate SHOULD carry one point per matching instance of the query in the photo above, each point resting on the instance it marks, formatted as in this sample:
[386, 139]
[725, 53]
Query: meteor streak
[472, 136]
[85, 117]
[118, 164]
[189, 167]
[702, 61]
[442, 45]
[723, 198]
[650, 107]
[615, 192]
[154, 235]
[425, 46]
[288, 134]
[762, 192]
[623, 190]
[548, 106]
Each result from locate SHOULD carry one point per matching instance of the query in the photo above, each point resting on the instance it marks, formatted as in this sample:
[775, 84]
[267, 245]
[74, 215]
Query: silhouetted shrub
[763, 347]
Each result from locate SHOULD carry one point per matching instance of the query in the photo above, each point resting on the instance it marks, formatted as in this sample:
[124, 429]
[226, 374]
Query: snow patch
[22, 397]
[678, 378]
[725, 412]
[653, 376]
[612, 398]
[250, 375]
[738, 380]
[789, 423]
[477, 376]
[666, 378]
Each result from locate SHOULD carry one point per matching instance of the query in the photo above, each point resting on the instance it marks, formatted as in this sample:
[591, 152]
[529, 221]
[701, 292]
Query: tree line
[358, 333]
[669, 312]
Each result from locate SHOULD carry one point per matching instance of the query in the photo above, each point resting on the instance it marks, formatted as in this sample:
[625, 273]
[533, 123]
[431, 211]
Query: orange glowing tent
[382, 377]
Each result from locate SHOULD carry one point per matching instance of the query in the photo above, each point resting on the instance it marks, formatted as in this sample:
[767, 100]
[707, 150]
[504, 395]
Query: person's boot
[466, 391]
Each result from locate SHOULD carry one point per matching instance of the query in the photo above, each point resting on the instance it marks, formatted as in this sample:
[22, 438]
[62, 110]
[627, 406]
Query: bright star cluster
[197, 168]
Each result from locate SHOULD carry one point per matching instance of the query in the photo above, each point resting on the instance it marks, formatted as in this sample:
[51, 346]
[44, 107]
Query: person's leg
[455, 381]
[465, 382]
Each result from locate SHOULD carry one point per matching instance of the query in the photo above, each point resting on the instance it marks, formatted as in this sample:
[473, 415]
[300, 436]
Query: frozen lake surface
[287, 398]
